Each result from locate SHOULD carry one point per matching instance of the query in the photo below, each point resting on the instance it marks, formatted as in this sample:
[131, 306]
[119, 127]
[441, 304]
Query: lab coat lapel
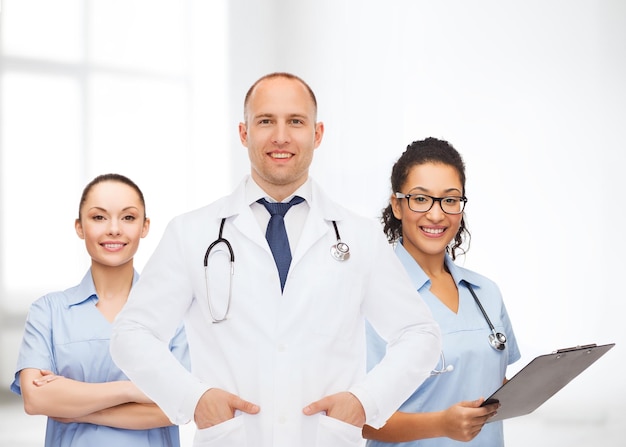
[248, 226]
[238, 211]
[318, 223]
[314, 229]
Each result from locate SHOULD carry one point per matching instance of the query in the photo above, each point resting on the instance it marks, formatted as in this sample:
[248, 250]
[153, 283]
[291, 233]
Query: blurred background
[532, 93]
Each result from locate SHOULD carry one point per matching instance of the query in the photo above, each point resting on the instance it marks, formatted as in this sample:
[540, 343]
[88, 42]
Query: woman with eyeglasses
[64, 369]
[425, 221]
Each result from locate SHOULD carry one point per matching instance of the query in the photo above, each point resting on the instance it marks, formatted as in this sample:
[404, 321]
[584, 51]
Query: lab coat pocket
[336, 433]
[230, 433]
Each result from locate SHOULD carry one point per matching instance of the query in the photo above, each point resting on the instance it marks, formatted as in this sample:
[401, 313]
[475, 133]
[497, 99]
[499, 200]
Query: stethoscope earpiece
[444, 368]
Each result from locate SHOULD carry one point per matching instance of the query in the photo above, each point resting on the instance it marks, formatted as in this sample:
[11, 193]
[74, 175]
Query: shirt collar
[87, 289]
[462, 274]
[254, 192]
[417, 275]
[420, 278]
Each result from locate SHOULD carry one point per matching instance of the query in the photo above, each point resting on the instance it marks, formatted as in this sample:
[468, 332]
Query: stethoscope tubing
[496, 339]
[220, 240]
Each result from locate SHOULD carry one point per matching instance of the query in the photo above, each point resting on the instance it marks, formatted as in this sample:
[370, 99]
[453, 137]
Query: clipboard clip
[574, 348]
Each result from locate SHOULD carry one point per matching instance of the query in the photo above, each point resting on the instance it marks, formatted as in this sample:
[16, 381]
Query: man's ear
[243, 134]
[319, 133]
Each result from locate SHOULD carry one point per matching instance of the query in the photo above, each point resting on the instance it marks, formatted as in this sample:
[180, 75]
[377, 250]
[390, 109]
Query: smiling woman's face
[429, 233]
[112, 223]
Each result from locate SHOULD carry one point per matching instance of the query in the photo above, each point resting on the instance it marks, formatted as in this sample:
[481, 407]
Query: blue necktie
[276, 235]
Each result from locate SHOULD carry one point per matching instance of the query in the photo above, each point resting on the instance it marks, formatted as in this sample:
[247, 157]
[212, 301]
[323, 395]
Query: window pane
[140, 129]
[44, 29]
[140, 34]
[40, 184]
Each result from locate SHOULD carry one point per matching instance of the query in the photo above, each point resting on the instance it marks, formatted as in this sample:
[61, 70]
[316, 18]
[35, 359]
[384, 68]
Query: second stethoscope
[339, 251]
[444, 368]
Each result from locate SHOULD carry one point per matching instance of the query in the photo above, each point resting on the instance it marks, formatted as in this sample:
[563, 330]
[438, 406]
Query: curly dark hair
[429, 150]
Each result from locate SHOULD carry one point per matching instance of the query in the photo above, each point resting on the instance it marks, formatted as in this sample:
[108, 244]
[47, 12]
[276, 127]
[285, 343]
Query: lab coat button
[282, 419]
[282, 347]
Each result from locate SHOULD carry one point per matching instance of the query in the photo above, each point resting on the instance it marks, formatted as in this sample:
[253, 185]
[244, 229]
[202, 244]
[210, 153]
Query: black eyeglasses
[421, 203]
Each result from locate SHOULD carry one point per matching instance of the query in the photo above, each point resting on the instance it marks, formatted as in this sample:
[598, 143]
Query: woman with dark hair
[64, 370]
[425, 220]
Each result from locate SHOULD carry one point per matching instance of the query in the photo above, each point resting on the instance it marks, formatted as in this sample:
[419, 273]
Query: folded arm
[130, 416]
[56, 396]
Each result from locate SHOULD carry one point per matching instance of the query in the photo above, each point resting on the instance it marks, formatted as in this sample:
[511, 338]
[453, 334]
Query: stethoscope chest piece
[498, 340]
[340, 251]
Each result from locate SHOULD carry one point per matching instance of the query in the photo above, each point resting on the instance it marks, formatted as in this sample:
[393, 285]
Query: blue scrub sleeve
[36, 349]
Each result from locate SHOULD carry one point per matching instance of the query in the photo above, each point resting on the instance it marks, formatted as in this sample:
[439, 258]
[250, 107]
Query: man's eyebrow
[302, 116]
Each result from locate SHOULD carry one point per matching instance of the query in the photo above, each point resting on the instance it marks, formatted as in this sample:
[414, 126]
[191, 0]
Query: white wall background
[531, 93]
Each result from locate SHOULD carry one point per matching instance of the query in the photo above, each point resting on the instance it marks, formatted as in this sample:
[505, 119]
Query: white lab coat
[280, 351]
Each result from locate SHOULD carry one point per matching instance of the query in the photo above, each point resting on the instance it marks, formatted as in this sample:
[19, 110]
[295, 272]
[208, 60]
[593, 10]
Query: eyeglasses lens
[450, 205]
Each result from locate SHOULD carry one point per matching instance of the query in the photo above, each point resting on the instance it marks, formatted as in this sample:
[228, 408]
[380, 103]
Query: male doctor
[278, 359]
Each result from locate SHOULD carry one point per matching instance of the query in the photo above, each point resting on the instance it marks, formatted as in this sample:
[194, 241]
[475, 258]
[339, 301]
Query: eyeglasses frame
[400, 195]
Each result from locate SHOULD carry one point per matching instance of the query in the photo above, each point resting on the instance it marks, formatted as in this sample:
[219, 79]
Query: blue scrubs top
[478, 369]
[66, 334]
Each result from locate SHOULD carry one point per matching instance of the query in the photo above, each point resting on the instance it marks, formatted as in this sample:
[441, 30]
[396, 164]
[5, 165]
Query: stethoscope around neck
[340, 251]
[497, 340]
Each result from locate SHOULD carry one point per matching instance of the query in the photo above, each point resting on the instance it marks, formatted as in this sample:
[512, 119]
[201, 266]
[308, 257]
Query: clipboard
[542, 378]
